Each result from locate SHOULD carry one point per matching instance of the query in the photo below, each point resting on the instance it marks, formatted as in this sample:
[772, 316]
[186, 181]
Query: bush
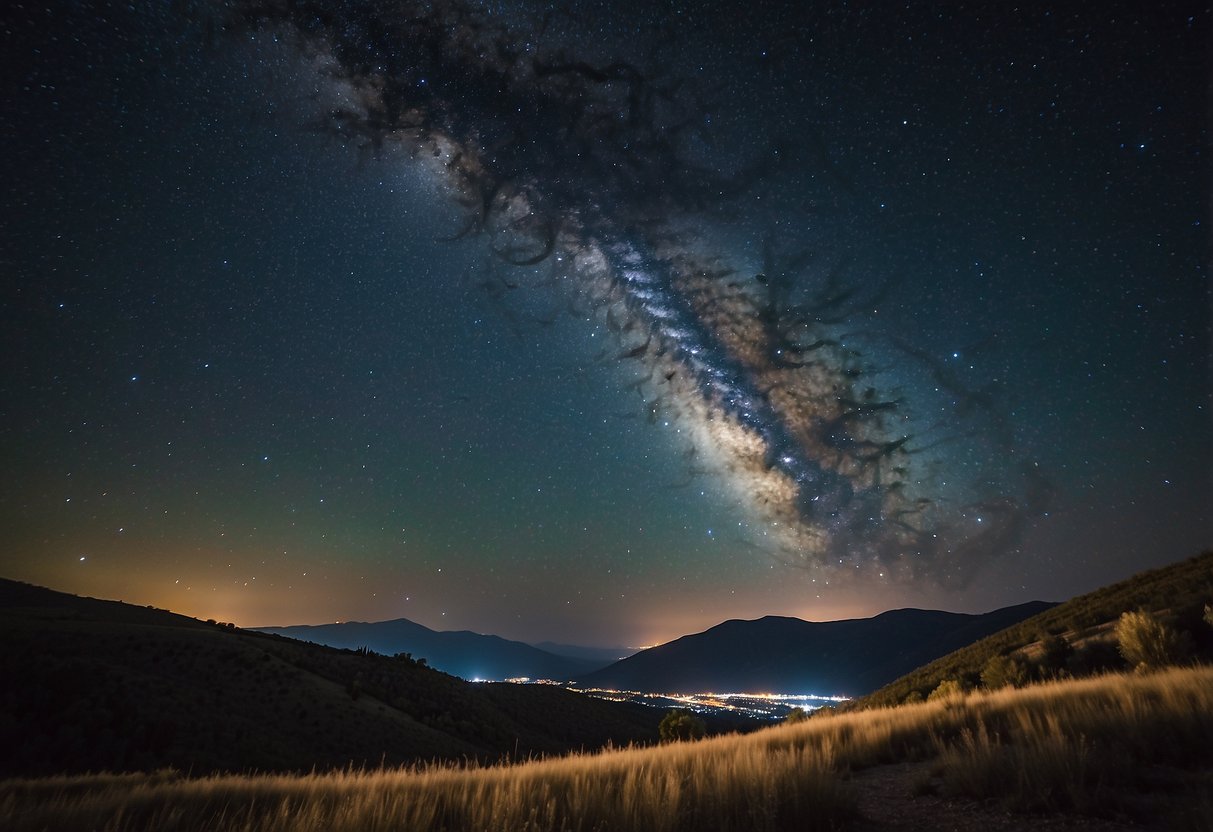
[795, 715]
[1001, 671]
[948, 689]
[681, 724]
[1055, 653]
[1149, 644]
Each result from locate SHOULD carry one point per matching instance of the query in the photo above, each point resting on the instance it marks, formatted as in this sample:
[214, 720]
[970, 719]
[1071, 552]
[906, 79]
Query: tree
[1001, 671]
[681, 724]
[1148, 644]
[795, 715]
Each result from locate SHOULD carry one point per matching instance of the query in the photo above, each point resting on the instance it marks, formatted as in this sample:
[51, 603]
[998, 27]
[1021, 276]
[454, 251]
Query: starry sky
[602, 322]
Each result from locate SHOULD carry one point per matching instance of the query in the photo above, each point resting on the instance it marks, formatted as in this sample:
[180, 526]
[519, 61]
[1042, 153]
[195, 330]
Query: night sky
[598, 323]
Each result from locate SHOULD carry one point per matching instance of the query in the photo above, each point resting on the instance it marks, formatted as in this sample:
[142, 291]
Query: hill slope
[1179, 591]
[1017, 760]
[100, 685]
[465, 654]
[788, 655]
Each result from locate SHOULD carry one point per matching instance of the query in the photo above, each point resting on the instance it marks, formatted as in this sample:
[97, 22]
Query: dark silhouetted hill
[99, 685]
[788, 655]
[461, 653]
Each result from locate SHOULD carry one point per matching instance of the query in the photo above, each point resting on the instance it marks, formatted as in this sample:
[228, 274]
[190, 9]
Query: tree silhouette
[681, 724]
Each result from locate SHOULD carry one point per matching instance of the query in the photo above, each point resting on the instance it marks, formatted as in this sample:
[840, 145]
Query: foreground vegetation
[1131, 745]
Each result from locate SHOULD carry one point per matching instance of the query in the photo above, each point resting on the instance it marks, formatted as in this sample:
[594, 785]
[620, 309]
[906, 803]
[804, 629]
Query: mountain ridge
[475, 656]
[463, 653]
[784, 654]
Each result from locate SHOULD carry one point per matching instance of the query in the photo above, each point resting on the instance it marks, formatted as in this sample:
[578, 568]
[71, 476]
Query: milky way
[851, 445]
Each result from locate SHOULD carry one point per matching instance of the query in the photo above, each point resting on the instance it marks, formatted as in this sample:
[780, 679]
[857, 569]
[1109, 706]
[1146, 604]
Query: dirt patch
[898, 798]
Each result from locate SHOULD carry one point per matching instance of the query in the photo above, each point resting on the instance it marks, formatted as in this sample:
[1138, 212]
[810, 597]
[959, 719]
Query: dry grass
[1133, 745]
[725, 783]
[1083, 746]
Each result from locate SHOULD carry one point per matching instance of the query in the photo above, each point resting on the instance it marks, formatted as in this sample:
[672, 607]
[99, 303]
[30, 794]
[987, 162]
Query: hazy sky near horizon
[602, 324]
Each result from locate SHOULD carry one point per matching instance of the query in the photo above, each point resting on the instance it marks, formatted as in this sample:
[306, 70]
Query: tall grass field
[1135, 746]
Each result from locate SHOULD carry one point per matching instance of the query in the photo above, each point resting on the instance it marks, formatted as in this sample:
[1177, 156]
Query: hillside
[1177, 592]
[787, 655]
[1082, 756]
[461, 653]
[98, 685]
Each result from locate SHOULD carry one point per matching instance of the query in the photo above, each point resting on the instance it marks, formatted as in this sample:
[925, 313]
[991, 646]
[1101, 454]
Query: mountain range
[775, 654]
[94, 685]
[461, 653]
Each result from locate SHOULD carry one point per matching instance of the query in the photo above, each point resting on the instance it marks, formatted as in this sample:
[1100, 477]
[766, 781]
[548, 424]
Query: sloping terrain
[1114, 754]
[89, 685]
[1177, 592]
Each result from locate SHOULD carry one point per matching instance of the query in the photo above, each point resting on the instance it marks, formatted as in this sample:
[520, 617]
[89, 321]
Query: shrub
[1148, 644]
[1055, 652]
[795, 715]
[681, 724]
[948, 689]
[1001, 671]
